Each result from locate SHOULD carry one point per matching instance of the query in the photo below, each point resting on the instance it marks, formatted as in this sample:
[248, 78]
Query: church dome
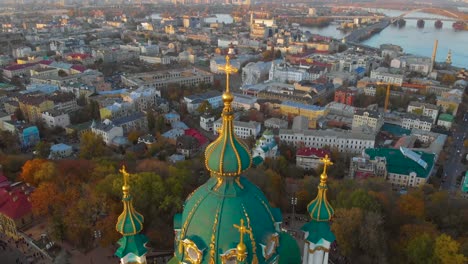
[228, 219]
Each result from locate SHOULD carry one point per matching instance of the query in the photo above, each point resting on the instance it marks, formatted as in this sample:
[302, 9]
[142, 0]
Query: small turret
[448, 60]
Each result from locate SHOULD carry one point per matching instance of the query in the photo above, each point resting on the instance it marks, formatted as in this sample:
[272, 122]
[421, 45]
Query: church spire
[227, 156]
[130, 223]
[448, 60]
[320, 209]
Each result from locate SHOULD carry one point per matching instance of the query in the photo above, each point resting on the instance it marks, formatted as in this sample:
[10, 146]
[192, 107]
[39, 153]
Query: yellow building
[33, 106]
[312, 112]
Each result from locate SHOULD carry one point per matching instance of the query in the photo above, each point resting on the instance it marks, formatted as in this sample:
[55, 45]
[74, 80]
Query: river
[414, 40]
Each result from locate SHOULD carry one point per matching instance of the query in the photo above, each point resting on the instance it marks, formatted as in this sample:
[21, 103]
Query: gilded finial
[241, 248]
[125, 187]
[326, 162]
[228, 69]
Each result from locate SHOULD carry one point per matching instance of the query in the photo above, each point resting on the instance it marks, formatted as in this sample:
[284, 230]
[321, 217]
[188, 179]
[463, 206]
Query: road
[453, 168]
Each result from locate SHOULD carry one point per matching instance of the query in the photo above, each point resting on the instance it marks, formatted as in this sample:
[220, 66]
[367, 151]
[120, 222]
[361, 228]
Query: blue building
[29, 137]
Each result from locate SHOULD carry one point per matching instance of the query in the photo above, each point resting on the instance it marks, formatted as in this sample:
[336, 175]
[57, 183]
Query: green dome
[227, 155]
[132, 244]
[210, 214]
[288, 250]
[320, 209]
[130, 222]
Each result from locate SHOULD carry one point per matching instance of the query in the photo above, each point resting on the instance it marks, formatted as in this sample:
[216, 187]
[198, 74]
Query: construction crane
[387, 94]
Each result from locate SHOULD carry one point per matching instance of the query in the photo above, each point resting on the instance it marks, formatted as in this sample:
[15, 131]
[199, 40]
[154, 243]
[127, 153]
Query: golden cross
[326, 162]
[242, 230]
[228, 69]
[125, 174]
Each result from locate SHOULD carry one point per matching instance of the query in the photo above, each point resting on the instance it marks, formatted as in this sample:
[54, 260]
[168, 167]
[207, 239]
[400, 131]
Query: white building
[255, 72]
[275, 123]
[143, 98]
[241, 129]
[309, 158]
[206, 122]
[383, 75]
[107, 130]
[160, 79]
[343, 140]
[410, 121]
[426, 109]
[285, 72]
[60, 150]
[413, 63]
[244, 102]
[266, 146]
[214, 98]
[56, 119]
[363, 119]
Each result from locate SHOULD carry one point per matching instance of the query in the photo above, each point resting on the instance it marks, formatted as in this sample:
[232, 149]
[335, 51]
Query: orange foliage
[43, 197]
[412, 206]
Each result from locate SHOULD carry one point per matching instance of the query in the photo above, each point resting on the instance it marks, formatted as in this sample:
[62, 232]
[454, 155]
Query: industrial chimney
[434, 53]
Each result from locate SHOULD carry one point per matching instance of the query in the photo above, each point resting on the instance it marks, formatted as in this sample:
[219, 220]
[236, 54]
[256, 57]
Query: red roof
[14, 202]
[320, 153]
[79, 68]
[16, 67]
[194, 133]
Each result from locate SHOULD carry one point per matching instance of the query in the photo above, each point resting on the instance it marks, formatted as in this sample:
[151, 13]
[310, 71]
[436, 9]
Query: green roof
[395, 130]
[446, 117]
[320, 209]
[398, 163]
[227, 155]
[465, 183]
[132, 244]
[257, 160]
[211, 212]
[130, 222]
[317, 231]
[288, 250]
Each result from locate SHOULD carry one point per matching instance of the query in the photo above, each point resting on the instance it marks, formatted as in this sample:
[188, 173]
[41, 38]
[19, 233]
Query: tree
[151, 120]
[447, 250]
[91, 146]
[420, 250]
[62, 73]
[205, 107]
[411, 205]
[8, 142]
[19, 114]
[448, 79]
[345, 226]
[37, 170]
[44, 198]
[42, 149]
[133, 136]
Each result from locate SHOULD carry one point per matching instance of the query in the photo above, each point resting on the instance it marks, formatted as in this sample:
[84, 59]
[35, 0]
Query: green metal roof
[212, 210]
[227, 155]
[446, 117]
[288, 250]
[130, 222]
[465, 183]
[257, 160]
[132, 244]
[320, 209]
[397, 163]
[318, 231]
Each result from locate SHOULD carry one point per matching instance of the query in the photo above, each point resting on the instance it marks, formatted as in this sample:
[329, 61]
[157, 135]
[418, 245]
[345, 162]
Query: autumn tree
[447, 250]
[91, 146]
[420, 249]
[42, 149]
[36, 171]
[9, 143]
[345, 226]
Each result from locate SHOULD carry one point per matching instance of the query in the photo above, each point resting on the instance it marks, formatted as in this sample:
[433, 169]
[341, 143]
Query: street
[453, 167]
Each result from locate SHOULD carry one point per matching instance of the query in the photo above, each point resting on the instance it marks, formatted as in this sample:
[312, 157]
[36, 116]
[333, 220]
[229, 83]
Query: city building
[171, 118]
[134, 122]
[187, 146]
[345, 96]
[310, 158]
[195, 100]
[241, 129]
[107, 130]
[244, 102]
[343, 140]
[417, 64]
[362, 168]
[264, 148]
[186, 77]
[367, 119]
[275, 123]
[29, 136]
[55, 118]
[445, 120]
[143, 98]
[33, 105]
[15, 207]
[383, 75]
[449, 101]
[58, 151]
[312, 112]
[405, 167]
[411, 121]
[423, 109]
[206, 122]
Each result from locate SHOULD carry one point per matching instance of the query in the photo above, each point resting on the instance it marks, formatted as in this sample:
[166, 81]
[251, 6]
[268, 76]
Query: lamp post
[293, 203]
